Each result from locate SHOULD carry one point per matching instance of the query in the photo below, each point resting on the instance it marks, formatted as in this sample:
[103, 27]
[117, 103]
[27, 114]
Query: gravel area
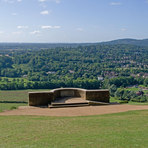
[73, 111]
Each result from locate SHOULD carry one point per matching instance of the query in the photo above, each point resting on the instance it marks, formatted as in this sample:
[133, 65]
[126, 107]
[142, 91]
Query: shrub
[123, 101]
[13, 107]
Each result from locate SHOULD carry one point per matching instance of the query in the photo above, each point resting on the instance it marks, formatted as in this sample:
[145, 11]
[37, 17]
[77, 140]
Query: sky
[72, 21]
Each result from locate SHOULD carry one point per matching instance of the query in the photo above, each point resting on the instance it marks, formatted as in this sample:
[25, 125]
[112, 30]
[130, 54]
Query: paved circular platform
[70, 100]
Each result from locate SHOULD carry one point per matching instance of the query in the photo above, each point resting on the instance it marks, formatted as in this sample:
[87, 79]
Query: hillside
[81, 65]
[39, 46]
[143, 42]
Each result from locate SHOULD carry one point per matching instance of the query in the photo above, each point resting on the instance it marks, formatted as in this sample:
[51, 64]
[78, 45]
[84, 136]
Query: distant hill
[38, 46]
[143, 42]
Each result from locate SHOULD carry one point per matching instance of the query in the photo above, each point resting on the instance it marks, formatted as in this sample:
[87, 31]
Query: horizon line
[72, 42]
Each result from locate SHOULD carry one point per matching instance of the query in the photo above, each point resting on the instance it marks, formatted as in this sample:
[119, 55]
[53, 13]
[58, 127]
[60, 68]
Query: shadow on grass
[23, 102]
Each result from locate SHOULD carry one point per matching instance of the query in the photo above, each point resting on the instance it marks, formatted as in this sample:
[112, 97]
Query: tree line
[117, 64]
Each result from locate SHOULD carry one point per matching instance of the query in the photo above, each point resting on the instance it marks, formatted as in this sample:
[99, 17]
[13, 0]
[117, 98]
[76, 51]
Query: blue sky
[72, 20]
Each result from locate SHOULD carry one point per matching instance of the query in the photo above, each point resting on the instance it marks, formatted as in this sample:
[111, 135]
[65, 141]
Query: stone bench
[45, 98]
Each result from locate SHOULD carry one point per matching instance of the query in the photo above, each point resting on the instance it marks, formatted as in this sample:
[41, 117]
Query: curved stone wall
[45, 98]
[69, 92]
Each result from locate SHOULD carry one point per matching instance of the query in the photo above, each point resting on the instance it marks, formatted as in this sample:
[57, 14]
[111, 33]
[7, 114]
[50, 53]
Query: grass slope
[13, 99]
[10, 106]
[122, 130]
[17, 95]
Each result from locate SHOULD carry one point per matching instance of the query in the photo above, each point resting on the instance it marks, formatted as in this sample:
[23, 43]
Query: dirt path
[75, 111]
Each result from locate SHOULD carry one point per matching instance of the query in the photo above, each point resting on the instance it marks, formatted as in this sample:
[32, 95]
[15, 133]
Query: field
[122, 130]
[13, 99]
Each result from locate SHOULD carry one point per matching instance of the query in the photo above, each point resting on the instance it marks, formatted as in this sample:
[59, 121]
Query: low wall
[40, 98]
[98, 95]
[69, 92]
[45, 98]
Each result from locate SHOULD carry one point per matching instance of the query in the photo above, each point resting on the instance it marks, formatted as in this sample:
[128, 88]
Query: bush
[143, 99]
[13, 107]
[123, 101]
[140, 99]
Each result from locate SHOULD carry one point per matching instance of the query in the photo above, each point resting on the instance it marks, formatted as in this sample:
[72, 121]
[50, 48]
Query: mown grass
[14, 98]
[10, 106]
[137, 103]
[17, 95]
[120, 130]
[11, 99]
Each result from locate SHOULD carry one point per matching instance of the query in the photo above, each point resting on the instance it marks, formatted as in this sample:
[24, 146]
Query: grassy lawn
[14, 98]
[120, 130]
[112, 99]
[10, 106]
[17, 95]
[137, 103]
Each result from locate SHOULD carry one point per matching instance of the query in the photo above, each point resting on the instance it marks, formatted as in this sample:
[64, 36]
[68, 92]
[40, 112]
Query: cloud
[8, 1]
[45, 12]
[22, 27]
[79, 29]
[1, 32]
[115, 3]
[11, 1]
[17, 32]
[46, 27]
[123, 29]
[14, 14]
[42, 0]
[50, 27]
[56, 27]
[43, 5]
[35, 32]
[56, 1]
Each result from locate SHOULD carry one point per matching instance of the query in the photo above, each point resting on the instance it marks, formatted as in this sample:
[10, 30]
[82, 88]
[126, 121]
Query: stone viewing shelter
[69, 97]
